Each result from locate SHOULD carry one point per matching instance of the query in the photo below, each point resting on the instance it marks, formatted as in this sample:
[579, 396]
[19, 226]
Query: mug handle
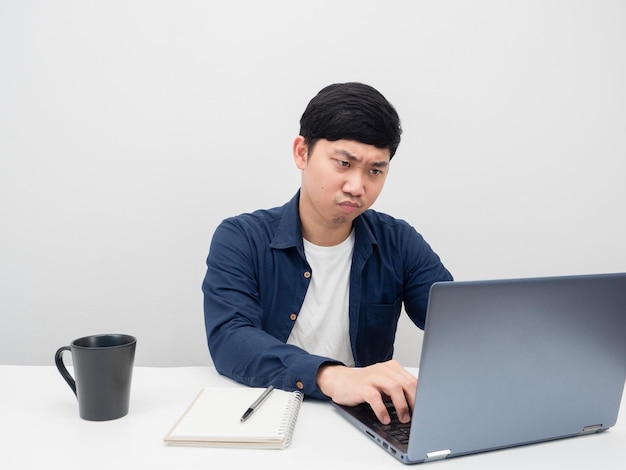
[58, 360]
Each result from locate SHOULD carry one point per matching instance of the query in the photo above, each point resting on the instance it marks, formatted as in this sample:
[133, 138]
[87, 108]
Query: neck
[325, 236]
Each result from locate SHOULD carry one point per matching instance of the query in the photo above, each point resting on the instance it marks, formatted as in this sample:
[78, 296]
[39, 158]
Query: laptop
[511, 362]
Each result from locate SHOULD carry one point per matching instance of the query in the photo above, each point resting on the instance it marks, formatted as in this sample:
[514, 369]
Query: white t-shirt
[322, 326]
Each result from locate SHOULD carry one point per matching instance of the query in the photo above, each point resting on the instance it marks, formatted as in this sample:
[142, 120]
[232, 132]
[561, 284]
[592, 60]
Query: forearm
[255, 358]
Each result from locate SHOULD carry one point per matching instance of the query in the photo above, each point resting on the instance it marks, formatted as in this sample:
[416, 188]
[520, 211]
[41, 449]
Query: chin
[342, 219]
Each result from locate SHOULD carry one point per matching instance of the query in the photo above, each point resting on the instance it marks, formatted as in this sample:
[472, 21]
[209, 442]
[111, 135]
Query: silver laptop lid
[512, 362]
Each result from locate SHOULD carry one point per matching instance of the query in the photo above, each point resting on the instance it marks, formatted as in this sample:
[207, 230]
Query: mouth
[349, 206]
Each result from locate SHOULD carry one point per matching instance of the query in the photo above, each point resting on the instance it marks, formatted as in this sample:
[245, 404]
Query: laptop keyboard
[394, 431]
[398, 430]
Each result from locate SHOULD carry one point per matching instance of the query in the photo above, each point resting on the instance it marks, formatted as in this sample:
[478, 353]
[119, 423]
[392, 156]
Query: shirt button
[300, 385]
[293, 316]
[307, 274]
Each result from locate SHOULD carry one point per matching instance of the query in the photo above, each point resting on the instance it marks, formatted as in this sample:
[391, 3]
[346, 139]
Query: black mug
[103, 367]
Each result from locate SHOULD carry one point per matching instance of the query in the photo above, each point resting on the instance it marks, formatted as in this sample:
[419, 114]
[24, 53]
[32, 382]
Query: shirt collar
[289, 232]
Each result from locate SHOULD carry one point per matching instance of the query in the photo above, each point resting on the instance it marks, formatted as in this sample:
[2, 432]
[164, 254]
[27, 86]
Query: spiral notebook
[213, 419]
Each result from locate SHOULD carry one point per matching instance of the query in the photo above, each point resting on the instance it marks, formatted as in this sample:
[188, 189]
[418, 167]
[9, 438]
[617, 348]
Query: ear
[300, 152]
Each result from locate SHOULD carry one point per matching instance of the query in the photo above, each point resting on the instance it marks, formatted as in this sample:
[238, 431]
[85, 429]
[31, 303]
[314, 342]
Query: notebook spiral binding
[288, 423]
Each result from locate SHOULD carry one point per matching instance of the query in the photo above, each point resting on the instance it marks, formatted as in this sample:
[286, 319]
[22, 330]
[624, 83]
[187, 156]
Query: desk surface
[40, 428]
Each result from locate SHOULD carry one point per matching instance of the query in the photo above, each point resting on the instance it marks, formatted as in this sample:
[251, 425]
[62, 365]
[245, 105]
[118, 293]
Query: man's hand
[351, 386]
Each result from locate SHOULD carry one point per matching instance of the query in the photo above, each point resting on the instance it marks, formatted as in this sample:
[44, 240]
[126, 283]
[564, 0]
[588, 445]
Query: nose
[353, 184]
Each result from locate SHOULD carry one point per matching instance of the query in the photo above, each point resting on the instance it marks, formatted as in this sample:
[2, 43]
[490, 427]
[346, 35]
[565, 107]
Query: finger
[406, 380]
[379, 408]
[401, 405]
[402, 391]
[411, 391]
[409, 386]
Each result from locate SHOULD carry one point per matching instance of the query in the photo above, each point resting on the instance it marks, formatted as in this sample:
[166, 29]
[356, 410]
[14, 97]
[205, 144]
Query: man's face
[340, 180]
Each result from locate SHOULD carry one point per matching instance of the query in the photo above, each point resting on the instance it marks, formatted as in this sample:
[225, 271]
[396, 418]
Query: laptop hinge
[592, 429]
[439, 455]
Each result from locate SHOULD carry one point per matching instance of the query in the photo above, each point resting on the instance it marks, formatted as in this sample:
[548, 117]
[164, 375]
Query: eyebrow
[349, 156]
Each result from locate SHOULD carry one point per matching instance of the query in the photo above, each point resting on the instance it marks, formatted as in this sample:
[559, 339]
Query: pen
[257, 403]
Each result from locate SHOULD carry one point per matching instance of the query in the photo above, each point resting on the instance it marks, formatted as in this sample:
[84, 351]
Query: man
[307, 296]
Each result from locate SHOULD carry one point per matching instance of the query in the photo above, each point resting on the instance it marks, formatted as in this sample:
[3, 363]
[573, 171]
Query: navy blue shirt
[257, 277]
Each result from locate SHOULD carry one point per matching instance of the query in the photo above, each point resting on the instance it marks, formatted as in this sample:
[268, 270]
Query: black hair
[352, 111]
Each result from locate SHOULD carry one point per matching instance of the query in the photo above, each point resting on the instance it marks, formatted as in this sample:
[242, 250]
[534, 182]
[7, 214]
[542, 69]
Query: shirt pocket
[378, 331]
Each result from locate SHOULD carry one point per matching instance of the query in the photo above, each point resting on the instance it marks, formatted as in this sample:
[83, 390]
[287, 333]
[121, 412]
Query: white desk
[40, 428]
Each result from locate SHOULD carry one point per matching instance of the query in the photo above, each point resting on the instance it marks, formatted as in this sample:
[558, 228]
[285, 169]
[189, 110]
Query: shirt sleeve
[234, 319]
[423, 268]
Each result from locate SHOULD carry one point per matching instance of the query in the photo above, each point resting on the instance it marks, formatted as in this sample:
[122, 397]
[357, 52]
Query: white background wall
[130, 128]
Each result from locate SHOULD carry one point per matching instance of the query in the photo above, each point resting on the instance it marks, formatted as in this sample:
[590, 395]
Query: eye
[376, 171]
[343, 163]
